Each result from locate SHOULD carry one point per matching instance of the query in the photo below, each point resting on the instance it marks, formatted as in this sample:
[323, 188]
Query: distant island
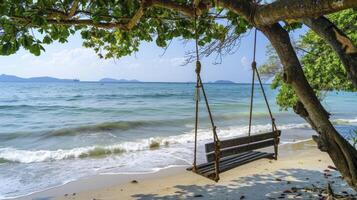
[11, 78]
[111, 80]
[47, 79]
[222, 82]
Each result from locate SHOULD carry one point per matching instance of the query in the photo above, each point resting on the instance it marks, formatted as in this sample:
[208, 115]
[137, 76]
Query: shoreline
[300, 156]
[169, 170]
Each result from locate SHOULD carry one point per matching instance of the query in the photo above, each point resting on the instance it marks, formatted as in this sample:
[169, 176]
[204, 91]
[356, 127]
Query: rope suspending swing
[199, 85]
[256, 72]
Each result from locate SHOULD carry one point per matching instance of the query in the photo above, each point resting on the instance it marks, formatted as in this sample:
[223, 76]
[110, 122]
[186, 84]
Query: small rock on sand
[134, 181]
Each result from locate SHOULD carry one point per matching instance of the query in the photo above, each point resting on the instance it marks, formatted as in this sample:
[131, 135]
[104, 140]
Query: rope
[197, 93]
[255, 71]
[254, 66]
[199, 84]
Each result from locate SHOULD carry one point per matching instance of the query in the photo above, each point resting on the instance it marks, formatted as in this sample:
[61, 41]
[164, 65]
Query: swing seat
[238, 151]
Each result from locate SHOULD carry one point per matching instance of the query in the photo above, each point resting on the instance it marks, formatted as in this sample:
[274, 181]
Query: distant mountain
[111, 80]
[11, 78]
[224, 82]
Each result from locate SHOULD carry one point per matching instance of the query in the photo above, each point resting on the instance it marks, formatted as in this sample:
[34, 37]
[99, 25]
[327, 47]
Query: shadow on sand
[282, 184]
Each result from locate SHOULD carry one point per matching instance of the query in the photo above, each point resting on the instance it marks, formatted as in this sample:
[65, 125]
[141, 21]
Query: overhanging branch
[259, 15]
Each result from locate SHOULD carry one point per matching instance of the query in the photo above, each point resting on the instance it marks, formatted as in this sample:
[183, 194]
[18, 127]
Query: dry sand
[300, 173]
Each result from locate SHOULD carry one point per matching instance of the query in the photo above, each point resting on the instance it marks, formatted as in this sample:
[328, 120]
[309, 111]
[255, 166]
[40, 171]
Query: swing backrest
[243, 144]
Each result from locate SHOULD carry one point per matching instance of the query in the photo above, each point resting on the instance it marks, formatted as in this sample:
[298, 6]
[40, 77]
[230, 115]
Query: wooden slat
[240, 149]
[222, 161]
[257, 157]
[210, 173]
[238, 159]
[242, 140]
[203, 165]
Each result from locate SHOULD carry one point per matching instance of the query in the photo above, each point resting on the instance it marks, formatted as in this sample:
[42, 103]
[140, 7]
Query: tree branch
[339, 42]
[296, 9]
[74, 8]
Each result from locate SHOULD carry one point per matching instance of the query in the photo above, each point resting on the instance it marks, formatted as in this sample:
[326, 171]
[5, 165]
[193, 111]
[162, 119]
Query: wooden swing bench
[238, 151]
[228, 154]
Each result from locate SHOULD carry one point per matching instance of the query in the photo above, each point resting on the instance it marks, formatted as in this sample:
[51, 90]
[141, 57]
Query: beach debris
[65, 195]
[197, 195]
[294, 189]
[327, 175]
[332, 167]
[287, 191]
[317, 192]
[74, 194]
[242, 197]
[134, 181]
[278, 179]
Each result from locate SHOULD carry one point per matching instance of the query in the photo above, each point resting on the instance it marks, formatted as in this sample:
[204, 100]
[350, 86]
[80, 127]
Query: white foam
[345, 121]
[204, 135]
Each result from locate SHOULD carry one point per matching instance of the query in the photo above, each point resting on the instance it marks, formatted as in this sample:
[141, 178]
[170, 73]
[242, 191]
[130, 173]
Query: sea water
[53, 133]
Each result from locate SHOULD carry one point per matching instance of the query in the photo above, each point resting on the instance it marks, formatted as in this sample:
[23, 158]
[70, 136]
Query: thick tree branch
[296, 9]
[240, 7]
[339, 42]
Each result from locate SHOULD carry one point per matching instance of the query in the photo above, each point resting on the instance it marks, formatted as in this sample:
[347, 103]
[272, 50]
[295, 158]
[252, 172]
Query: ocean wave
[107, 126]
[95, 128]
[153, 143]
[31, 156]
[344, 121]
[110, 126]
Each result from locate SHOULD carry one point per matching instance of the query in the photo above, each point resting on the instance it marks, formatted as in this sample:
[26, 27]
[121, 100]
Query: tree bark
[339, 42]
[343, 155]
[294, 9]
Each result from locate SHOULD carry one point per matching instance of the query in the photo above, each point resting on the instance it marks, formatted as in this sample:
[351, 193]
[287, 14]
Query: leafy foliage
[322, 67]
[33, 24]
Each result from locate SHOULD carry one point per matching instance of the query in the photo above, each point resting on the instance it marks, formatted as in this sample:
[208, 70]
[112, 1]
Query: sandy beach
[301, 172]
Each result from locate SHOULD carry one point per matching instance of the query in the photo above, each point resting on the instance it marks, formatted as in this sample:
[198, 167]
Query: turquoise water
[52, 133]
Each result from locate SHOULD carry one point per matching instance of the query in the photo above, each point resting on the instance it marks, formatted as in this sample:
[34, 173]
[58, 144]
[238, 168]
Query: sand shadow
[276, 185]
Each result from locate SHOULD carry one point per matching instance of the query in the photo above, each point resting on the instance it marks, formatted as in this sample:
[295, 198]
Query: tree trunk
[341, 151]
[339, 41]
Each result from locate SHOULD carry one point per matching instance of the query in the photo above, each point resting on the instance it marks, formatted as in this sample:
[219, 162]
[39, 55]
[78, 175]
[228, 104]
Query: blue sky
[71, 60]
